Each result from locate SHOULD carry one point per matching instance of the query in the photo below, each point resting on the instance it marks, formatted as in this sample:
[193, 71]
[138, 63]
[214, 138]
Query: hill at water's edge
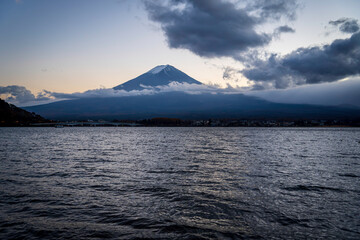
[10, 115]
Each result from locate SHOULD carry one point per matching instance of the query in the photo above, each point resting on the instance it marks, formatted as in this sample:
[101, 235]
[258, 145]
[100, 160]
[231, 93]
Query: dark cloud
[346, 25]
[213, 28]
[328, 63]
[274, 9]
[283, 29]
[230, 74]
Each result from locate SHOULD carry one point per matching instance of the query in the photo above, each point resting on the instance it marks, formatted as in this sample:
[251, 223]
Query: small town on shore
[175, 122]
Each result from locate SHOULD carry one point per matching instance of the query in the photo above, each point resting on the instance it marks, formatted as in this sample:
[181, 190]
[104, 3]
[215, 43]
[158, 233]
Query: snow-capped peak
[158, 76]
[158, 69]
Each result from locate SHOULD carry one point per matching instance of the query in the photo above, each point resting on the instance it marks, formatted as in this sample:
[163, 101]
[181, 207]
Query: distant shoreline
[30, 126]
[176, 122]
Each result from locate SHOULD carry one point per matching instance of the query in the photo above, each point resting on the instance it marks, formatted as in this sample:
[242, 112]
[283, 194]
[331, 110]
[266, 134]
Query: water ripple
[179, 183]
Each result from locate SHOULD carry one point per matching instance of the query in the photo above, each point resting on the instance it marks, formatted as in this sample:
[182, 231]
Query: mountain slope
[11, 115]
[186, 106]
[158, 76]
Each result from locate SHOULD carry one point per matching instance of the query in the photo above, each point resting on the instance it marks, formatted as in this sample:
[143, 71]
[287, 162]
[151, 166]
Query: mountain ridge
[187, 106]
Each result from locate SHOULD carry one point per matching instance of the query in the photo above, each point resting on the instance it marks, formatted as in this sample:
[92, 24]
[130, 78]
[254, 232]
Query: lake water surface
[180, 183]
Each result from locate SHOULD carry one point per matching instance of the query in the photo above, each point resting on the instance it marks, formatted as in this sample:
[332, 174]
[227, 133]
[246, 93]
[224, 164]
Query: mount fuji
[158, 76]
[180, 104]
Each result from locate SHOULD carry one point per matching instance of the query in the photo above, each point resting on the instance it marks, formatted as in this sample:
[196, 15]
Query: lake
[179, 183]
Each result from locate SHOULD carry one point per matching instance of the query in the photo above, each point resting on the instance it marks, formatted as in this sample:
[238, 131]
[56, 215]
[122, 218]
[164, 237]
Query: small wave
[348, 175]
[286, 221]
[313, 188]
[154, 190]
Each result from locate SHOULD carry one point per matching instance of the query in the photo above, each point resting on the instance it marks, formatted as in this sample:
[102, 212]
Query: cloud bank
[215, 28]
[20, 96]
[336, 93]
[327, 63]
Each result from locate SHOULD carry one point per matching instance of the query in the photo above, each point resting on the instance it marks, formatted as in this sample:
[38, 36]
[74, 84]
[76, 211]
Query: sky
[73, 46]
